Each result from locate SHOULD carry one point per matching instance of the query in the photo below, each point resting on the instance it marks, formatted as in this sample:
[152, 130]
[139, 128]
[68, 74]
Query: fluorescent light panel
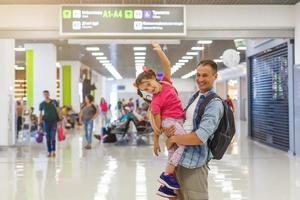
[197, 48]
[92, 48]
[242, 48]
[192, 53]
[188, 75]
[183, 61]
[98, 54]
[139, 48]
[20, 49]
[104, 61]
[139, 53]
[187, 57]
[204, 41]
[218, 60]
[139, 57]
[101, 58]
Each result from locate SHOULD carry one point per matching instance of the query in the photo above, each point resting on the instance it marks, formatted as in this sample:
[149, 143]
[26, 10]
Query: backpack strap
[206, 102]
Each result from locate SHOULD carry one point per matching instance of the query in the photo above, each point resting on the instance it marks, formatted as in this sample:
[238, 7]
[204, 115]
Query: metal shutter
[269, 114]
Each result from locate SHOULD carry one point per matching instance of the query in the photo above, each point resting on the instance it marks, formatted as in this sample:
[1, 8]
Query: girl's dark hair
[145, 75]
[90, 98]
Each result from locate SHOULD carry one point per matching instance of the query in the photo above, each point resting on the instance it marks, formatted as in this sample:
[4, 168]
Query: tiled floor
[107, 172]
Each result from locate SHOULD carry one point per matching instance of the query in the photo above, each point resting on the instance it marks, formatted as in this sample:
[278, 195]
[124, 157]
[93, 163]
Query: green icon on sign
[67, 14]
[128, 14]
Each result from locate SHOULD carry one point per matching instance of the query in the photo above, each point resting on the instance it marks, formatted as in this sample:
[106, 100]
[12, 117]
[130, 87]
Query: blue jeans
[50, 129]
[88, 127]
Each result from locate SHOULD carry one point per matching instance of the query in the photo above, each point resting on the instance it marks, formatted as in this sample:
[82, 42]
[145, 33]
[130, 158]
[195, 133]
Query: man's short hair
[211, 63]
[46, 91]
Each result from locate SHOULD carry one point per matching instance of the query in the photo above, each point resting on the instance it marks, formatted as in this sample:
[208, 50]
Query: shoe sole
[161, 181]
[164, 195]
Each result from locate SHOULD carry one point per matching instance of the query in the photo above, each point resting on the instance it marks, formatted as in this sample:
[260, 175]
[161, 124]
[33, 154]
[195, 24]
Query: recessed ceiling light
[180, 64]
[139, 57]
[139, 61]
[101, 58]
[92, 48]
[197, 48]
[187, 57]
[139, 53]
[183, 61]
[97, 54]
[20, 49]
[192, 53]
[139, 48]
[204, 41]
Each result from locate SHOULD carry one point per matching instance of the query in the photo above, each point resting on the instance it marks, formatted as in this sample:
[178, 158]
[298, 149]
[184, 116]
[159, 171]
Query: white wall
[7, 77]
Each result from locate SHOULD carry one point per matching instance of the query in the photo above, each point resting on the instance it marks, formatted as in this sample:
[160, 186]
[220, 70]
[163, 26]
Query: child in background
[165, 110]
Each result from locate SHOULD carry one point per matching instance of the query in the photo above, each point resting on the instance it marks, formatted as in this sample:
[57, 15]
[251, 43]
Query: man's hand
[170, 131]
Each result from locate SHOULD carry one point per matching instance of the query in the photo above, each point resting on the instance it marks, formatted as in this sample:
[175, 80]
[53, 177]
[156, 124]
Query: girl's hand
[170, 142]
[156, 148]
[156, 46]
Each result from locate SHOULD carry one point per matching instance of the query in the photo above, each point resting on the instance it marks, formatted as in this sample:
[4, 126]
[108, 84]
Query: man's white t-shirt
[188, 123]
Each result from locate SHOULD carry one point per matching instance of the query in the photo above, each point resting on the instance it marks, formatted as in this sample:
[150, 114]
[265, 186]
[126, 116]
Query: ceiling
[122, 55]
[193, 2]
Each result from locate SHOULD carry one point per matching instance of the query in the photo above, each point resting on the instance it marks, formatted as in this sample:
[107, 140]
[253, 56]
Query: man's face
[205, 78]
[46, 95]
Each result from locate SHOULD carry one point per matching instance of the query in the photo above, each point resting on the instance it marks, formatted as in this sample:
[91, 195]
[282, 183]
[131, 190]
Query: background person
[103, 111]
[47, 120]
[20, 111]
[229, 102]
[88, 114]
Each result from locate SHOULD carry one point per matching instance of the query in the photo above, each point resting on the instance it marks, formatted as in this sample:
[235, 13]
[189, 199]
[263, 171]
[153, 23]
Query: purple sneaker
[169, 181]
[163, 191]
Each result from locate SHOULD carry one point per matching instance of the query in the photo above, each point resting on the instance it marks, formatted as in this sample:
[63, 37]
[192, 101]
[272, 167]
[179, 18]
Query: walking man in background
[47, 120]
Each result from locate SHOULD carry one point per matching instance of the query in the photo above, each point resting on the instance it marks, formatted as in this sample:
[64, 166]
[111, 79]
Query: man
[192, 171]
[20, 111]
[229, 103]
[48, 119]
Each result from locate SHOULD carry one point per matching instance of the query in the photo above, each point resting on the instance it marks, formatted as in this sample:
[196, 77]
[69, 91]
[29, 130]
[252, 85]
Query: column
[41, 72]
[70, 73]
[7, 102]
[297, 33]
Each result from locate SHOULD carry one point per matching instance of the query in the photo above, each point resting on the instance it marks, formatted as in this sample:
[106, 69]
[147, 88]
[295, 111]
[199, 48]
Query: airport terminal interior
[77, 121]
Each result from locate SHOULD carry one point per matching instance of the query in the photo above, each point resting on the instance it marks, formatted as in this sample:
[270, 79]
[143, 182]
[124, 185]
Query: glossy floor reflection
[107, 172]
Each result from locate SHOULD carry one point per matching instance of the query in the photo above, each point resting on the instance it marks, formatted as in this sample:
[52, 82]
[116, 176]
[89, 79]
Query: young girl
[165, 110]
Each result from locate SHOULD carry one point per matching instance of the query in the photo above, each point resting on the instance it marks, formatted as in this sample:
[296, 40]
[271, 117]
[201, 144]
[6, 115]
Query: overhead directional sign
[110, 20]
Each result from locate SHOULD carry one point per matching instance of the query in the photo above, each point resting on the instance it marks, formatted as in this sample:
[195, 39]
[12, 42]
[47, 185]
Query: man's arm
[208, 125]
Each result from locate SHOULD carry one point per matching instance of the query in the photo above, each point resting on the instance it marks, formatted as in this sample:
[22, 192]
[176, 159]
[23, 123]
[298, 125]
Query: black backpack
[225, 131]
